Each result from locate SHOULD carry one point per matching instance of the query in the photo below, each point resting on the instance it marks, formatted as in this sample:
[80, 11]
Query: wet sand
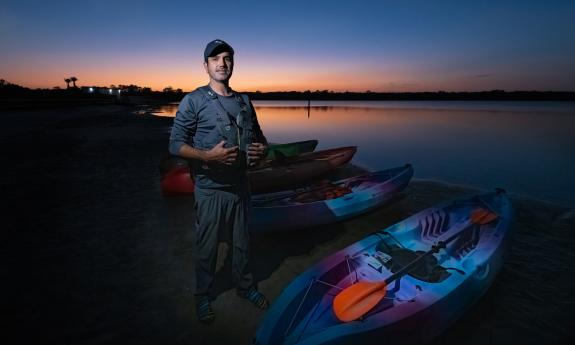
[94, 254]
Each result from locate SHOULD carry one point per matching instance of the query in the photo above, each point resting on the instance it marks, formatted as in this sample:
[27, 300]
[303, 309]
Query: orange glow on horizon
[251, 75]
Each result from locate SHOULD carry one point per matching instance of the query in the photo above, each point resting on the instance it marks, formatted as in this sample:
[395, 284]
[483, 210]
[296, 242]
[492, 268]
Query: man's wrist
[204, 155]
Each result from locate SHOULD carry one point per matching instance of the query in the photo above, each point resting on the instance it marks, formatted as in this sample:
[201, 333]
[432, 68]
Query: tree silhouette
[67, 83]
[74, 79]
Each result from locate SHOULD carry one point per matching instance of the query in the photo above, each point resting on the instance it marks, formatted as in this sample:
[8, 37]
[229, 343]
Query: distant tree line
[415, 96]
[170, 94]
[9, 88]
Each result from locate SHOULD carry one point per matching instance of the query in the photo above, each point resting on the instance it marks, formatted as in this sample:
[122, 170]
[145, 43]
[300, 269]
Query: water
[528, 148]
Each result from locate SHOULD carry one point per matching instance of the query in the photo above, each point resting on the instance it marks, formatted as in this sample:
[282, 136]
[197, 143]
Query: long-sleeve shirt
[196, 124]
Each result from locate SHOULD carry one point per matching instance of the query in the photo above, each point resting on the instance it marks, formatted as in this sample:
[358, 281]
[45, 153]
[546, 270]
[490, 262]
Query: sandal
[256, 297]
[204, 309]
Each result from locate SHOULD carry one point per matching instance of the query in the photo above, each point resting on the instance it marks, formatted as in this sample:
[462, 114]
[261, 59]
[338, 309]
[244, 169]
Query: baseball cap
[215, 47]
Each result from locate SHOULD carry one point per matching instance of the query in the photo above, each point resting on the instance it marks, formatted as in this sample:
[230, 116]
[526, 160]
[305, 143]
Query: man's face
[220, 67]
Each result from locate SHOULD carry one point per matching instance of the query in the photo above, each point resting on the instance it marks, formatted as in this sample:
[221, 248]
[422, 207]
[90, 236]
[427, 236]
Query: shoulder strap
[211, 95]
[223, 122]
[244, 102]
[245, 98]
[206, 91]
[213, 98]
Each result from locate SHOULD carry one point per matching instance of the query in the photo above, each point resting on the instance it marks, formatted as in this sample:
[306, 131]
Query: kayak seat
[433, 225]
[466, 242]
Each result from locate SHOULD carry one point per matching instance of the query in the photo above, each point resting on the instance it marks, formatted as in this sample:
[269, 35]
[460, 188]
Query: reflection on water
[525, 147]
[168, 110]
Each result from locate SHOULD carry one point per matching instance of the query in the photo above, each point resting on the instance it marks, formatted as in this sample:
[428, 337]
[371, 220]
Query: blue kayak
[327, 202]
[418, 305]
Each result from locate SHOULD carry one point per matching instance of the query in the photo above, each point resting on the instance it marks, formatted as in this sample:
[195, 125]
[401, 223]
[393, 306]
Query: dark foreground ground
[91, 253]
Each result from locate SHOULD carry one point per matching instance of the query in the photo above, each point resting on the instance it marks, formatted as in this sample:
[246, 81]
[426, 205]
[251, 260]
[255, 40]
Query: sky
[355, 45]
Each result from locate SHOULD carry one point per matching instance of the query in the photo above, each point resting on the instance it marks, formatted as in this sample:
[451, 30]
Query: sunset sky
[293, 45]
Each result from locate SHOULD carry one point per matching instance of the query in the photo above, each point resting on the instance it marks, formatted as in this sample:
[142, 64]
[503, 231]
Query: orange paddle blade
[482, 216]
[358, 299]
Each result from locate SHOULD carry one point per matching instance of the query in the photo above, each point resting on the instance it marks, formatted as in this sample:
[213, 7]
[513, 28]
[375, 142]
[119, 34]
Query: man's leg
[208, 220]
[246, 287]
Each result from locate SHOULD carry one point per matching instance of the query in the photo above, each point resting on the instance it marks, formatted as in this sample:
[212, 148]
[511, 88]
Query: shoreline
[100, 256]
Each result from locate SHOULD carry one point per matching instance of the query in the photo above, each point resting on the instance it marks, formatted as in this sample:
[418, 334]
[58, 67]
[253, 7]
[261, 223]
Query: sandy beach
[94, 254]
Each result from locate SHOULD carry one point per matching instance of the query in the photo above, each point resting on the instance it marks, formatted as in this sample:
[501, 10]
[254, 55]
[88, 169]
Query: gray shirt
[230, 104]
[196, 124]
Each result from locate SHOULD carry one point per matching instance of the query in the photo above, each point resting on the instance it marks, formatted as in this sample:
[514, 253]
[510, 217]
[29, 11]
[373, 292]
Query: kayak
[326, 202]
[171, 162]
[175, 171]
[432, 288]
[177, 181]
[270, 175]
[275, 175]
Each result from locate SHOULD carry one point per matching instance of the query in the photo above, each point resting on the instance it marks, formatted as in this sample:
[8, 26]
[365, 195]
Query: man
[217, 130]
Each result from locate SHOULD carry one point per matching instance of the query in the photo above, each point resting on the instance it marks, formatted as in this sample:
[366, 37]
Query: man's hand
[222, 154]
[256, 152]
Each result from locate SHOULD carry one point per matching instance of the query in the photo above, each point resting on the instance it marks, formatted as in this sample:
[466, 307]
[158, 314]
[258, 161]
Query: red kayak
[177, 181]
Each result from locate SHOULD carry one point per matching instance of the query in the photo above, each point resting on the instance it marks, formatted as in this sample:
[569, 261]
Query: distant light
[110, 90]
[119, 91]
[91, 89]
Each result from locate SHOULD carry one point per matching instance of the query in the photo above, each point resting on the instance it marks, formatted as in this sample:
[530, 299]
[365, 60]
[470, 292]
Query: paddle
[358, 299]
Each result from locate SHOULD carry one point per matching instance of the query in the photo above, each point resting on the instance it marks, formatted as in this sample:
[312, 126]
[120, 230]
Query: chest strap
[242, 100]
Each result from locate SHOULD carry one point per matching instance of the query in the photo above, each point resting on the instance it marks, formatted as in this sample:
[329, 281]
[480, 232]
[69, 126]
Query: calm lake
[527, 148]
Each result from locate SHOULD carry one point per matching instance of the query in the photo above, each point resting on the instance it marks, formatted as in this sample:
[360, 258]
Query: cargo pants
[222, 211]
